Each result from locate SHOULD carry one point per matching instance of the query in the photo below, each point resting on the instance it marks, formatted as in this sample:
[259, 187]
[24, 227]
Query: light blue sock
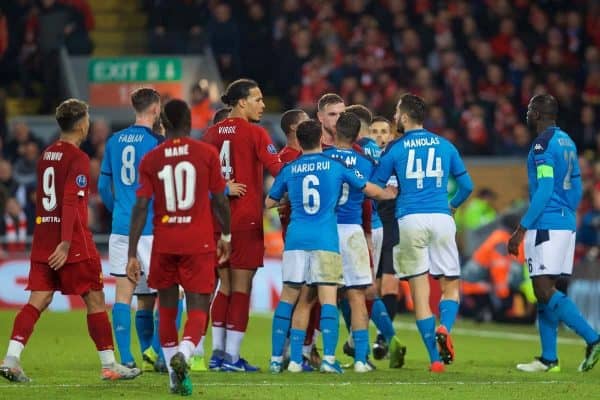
[179, 314]
[568, 313]
[296, 343]
[448, 312]
[121, 316]
[381, 319]
[344, 306]
[330, 328]
[361, 345]
[144, 326]
[548, 327]
[427, 330]
[281, 326]
[156, 337]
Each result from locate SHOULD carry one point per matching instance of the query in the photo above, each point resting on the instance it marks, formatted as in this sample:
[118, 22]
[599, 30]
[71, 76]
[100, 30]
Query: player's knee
[41, 300]
[94, 301]
[542, 292]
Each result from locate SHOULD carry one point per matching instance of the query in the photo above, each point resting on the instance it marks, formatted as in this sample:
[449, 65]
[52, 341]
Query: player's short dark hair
[379, 118]
[327, 99]
[363, 113]
[546, 105]
[414, 106]
[309, 134]
[69, 113]
[177, 116]
[143, 98]
[238, 90]
[289, 118]
[221, 114]
[347, 126]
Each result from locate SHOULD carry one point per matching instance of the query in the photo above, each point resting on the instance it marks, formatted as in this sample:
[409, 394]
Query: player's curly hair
[177, 116]
[69, 113]
[238, 90]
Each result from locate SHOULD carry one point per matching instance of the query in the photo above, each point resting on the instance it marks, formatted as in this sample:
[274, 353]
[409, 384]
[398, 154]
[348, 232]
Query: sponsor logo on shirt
[47, 220]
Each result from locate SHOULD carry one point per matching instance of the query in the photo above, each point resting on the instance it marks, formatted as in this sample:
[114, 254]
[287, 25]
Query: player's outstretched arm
[220, 206]
[138, 220]
[374, 191]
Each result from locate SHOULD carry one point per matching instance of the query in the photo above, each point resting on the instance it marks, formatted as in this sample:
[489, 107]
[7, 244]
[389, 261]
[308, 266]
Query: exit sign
[145, 69]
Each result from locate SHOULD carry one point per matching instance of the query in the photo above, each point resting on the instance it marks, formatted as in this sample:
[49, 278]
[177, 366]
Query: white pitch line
[275, 384]
[494, 334]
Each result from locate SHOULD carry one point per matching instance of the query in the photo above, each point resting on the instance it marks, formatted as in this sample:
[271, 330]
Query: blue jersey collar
[414, 131]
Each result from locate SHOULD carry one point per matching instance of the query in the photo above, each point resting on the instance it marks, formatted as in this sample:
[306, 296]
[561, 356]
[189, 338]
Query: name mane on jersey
[177, 151]
[420, 142]
[226, 130]
[131, 138]
[310, 167]
[52, 155]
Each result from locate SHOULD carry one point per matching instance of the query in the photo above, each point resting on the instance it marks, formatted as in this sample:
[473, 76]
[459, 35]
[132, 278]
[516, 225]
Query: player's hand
[133, 270]
[223, 251]
[515, 241]
[391, 192]
[59, 257]
[236, 189]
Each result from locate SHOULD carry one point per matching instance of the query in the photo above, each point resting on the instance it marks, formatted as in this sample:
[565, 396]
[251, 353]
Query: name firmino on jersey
[419, 142]
[318, 166]
[224, 130]
[177, 151]
[53, 155]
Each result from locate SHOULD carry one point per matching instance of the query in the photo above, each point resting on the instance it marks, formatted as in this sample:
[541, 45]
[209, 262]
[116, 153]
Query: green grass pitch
[61, 360]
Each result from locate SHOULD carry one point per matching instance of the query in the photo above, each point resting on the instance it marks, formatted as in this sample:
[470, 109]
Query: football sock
[330, 328]
[144, 326]
[296, 340]
[22, 329]
[168, 328]
[427, 330]
[107, 358]
[121, 316]
[156, 336]
[199, 350]
[281, 326]
[548, 328]
[194, 327]
[568, 313]
[100, 332]
[218, 315]
[169, 352]
[344, 306]
[237, 322]
[179, 316]
[391, 305]
[448, 311]
[382, 320]
[361, 345]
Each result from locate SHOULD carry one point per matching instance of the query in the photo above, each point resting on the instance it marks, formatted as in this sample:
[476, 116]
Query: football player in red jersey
[245, 150]
[63, 254]
[183, 176]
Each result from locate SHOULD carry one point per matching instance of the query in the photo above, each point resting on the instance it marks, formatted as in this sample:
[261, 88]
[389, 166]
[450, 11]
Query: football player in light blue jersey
[313, 183]
[117, 185]
[423, 161]
[548, 226]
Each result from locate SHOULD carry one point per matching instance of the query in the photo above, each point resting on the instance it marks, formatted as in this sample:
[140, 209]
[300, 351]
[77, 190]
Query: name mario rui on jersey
[176, 151]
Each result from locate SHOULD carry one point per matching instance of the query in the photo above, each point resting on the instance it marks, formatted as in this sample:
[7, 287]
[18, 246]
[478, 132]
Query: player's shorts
[194, 272]
[76, 278]
[118, 246]
[427, 244]
[247, 250]
[377, 238]
[316, 267]
[355, 256]
[549, 252]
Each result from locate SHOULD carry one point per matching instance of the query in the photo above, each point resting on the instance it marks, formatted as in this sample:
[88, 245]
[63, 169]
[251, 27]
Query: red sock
[237, 313]
[167, 327]
[369, 306]
[313, 323]
[218, 310]
[100, 330]
[24, 323]
[195, 326]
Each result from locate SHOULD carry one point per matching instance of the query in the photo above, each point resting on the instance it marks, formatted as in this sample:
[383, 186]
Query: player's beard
[531, 125]
[399, 128]
[254, 120]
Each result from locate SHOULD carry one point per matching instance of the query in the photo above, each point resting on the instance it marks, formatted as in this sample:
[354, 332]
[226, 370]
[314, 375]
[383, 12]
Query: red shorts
[194, 272]
[76, 278]
[247, 250]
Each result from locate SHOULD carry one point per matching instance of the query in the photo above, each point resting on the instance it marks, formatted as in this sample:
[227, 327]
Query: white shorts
[549, 252]
[377, 238]
[427, 244]
[118, 247]
[315, 267]
[355, 256]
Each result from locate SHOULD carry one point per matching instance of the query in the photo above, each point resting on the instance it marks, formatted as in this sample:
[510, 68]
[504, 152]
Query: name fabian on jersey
[421, 142]
[131, 138]
[318, 166]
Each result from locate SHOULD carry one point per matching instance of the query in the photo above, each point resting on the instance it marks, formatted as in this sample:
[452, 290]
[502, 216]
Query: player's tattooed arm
[138, 220]
[220, 206]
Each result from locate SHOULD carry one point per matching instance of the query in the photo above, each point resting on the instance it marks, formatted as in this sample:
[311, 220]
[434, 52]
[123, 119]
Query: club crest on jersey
[81, 181]
[538, 147]
[271, 149]
[358, 174]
